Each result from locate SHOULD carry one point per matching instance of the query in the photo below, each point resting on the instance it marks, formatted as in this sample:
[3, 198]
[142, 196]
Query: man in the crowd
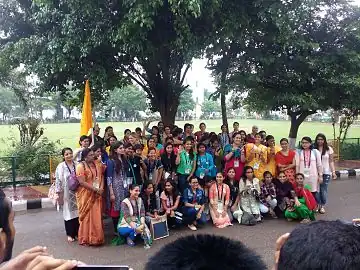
[235, 129]
[250, 138]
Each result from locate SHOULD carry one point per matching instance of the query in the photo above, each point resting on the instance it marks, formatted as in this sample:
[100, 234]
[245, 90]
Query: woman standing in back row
[66, 197]
[327, 161]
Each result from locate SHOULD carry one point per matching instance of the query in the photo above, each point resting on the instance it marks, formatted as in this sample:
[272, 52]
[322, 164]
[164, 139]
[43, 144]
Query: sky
[199, 78]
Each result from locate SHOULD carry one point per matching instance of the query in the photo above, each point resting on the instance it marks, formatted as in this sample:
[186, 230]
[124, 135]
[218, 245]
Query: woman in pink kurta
[308, 162]
[219, 195]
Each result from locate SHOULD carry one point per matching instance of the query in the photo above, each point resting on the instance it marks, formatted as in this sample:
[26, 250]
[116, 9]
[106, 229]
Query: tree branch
[184, 74]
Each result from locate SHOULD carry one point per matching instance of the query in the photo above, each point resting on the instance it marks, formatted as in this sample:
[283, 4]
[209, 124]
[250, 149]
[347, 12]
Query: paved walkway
[46, 227]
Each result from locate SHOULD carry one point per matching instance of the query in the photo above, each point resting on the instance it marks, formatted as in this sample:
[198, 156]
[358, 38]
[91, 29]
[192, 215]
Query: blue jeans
[128, 232]
[190, 216]
[322, 195]
[183, 182]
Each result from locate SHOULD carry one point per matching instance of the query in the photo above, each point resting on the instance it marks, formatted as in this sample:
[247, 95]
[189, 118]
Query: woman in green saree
[304, 202]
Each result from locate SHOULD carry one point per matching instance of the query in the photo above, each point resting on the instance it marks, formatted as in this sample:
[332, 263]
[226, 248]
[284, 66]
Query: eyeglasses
[249, 172]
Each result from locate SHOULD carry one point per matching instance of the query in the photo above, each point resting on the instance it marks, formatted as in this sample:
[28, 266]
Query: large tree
[186, 103]
[149, 42]
[309, 62]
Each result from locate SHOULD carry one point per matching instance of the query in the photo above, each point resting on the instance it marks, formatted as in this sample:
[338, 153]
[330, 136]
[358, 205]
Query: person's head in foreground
[7, 229]
[321, 245]
[205, 252]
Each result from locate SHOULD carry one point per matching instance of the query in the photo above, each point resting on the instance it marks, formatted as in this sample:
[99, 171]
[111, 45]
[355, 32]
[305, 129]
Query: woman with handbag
[66, 197]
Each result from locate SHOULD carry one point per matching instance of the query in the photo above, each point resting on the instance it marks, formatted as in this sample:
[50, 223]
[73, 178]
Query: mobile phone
[103, 267]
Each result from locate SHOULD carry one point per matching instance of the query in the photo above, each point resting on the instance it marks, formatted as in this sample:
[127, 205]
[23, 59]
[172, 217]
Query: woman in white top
[308, 162]
[67, 197]
[327, 160]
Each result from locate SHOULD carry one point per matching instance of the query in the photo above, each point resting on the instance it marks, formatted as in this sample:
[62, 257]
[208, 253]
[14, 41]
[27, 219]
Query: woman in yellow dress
[272, 150]
[89, 199]
[256, 156]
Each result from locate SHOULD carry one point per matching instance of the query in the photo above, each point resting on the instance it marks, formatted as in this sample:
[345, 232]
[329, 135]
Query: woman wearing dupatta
[285, 160]
[256, 157]
[132, 219]
[219, 195]
[89, 199]
[304, 202]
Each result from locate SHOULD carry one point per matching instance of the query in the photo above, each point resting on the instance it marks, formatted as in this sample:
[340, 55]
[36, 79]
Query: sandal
[130, 242]
[305, 221]
[322, 210]
[70, 239]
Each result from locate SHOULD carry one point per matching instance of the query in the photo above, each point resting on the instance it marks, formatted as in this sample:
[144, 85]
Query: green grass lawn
[68, 134]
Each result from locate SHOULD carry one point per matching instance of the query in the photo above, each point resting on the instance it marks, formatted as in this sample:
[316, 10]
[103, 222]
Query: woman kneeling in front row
[132, 219]
[193, 210]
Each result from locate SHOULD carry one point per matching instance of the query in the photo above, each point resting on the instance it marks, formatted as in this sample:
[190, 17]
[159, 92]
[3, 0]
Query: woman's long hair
[115, 157]
[85, 153]
[244, 177]
[191, 152]
[325, 146]
[175, 192]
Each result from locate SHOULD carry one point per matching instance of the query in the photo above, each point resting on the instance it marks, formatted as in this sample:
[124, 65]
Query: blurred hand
[279, 243]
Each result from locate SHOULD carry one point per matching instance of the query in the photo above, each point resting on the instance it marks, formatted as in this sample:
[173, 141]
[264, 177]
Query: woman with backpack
[66, 197]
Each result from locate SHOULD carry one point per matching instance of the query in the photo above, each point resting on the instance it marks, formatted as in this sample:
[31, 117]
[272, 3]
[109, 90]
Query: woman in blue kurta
[194, 203]
[205, 168]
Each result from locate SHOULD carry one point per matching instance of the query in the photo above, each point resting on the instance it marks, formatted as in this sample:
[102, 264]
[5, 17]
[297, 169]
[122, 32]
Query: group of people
[191, 177]
[336, 244]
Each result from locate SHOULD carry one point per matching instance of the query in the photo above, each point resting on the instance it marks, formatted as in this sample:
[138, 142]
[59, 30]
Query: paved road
[46, 228]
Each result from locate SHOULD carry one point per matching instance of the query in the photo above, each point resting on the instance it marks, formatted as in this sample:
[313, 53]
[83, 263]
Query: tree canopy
[150, 42]
[304, 57]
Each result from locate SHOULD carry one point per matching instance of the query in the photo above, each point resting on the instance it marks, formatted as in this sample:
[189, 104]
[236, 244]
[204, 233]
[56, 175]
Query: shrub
[350, 151]
[32, 161]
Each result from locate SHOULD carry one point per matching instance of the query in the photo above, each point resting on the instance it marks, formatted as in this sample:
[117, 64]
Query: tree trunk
[167, 102]
[296, 119]
[223, 108]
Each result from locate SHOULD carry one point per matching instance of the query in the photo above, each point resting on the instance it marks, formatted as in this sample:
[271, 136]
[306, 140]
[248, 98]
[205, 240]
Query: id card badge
[166, 175]
[256, 166]
[197, 207]
[307, 172]
[236, 164]
[150, 177]
[220, 207]
[202, 174]
[96, 185]
[187, 171]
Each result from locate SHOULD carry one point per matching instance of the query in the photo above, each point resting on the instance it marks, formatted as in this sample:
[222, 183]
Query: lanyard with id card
[187, 163]
[220, 204]
[95, 183]
[307, 168]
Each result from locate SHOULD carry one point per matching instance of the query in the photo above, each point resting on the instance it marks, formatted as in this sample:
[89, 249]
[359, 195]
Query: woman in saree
[256, 156]
[219, 195]
[285, 160]
[249, 192]
[89, 199]
[132, 219]
[116, 180]
[304, 202]
[66, 197]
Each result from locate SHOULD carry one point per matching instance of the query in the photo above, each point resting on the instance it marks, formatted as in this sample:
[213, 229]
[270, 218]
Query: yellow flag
[86, 114]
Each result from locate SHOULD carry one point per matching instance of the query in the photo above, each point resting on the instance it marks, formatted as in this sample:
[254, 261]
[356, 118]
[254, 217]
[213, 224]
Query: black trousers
[72, 227]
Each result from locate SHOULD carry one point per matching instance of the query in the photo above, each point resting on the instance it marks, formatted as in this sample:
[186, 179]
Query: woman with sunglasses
[194, 204]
